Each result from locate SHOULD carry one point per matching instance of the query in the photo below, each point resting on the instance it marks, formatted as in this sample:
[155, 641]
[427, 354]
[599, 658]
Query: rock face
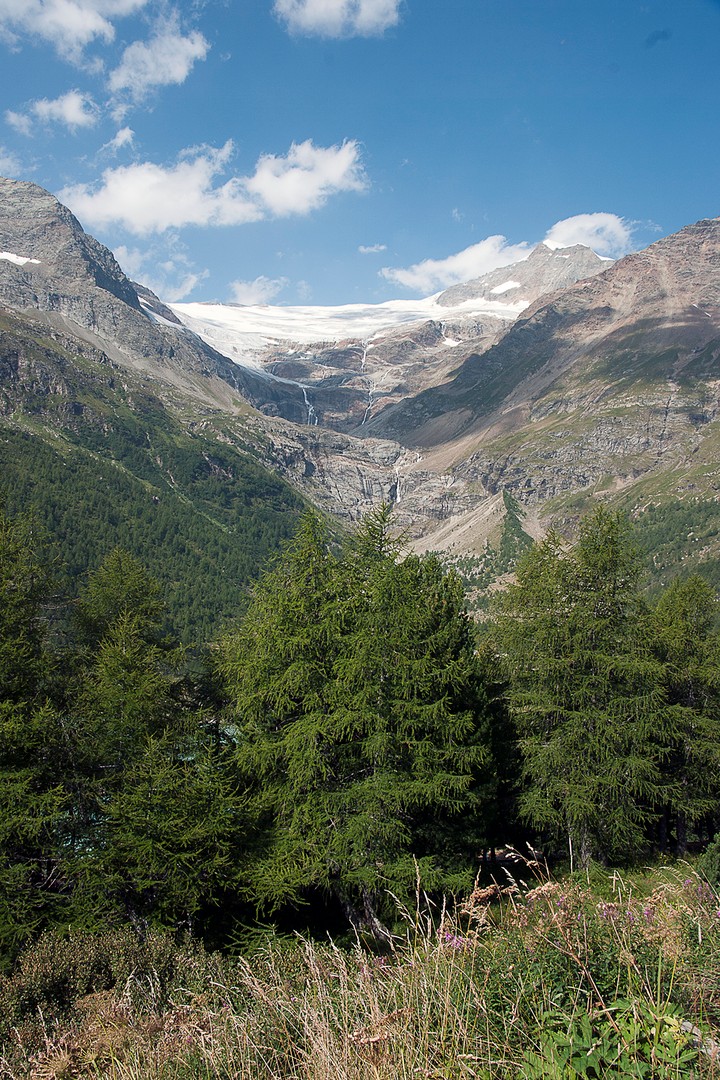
[653, 315]
[49, 265]
[349, 380]
[544, 271]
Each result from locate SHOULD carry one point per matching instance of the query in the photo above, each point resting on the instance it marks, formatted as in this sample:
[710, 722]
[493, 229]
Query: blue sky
[345, 151]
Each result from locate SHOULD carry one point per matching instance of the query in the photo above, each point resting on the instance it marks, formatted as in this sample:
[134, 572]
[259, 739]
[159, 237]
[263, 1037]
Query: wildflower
[453, 941]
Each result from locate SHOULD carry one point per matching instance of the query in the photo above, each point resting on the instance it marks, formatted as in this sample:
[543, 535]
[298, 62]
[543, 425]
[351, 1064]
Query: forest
[352, 741]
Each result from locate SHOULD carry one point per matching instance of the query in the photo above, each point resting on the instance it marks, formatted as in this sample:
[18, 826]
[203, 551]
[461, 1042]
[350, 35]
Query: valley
[557, 382]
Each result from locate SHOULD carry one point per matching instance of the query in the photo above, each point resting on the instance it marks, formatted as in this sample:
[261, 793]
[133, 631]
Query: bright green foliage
[121, 586]
[360, 724]
[584, 688]
[633, 1040]
[687, 641]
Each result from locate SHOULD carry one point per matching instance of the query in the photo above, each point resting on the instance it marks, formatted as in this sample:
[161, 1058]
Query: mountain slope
[102, 461]
[119, 423]
[50, 266]
[654, 315]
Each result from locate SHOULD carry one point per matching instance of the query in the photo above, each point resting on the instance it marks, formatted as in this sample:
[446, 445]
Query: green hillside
[103, 462]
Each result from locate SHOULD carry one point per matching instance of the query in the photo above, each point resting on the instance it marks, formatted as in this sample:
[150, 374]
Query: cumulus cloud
[165, 59]
[260, 291]
[74, 110]
[306, 177]
[147, 198]
[338, 18]
[433, 274]
[68, 25]
[606, 234]
[372, 249]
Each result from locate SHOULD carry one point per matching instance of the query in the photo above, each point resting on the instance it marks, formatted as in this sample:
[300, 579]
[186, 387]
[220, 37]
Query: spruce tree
[32, 797]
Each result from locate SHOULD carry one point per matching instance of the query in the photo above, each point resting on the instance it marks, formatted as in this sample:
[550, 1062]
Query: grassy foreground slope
[591, 977]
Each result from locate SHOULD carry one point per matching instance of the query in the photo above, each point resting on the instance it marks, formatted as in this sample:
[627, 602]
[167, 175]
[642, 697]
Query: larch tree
[585, 689]
[687, 642]
[361, 724]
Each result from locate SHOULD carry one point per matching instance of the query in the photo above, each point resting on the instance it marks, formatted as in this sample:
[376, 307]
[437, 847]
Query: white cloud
[166, 59]
[73, 109]
[124, 137]
[606, 234]
[20, 121]
[372, 249]
[433, 274]
[338, 18]
[305, 179]
[164, 268]
[260, 291]
[147, 198]
[68, 25]
[9, 163]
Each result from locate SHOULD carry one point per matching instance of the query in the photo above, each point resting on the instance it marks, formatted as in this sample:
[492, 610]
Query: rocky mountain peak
[49, 247]
[51, 267]
[545, 270]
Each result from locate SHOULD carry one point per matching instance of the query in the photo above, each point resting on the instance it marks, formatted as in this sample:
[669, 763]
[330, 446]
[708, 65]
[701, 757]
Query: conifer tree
[175, 837]
[688, 644]
[361, 726]
[585, 690]
[32, 800]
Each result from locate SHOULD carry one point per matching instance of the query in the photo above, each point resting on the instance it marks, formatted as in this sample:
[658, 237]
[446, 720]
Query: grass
[585, 977]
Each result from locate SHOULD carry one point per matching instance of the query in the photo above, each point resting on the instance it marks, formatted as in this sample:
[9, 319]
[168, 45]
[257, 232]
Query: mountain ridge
[607, 388]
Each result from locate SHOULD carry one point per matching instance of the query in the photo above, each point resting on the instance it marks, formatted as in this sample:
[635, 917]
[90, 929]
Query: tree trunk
[365, 919]
[585, 851]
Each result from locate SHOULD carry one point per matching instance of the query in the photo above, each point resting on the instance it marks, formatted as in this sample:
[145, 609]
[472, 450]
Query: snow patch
[505, 287]
[157, 318]
[19, 260]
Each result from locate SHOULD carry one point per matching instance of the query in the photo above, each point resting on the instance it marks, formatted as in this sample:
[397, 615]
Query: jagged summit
[545, 270]
[49, 261]
[50, 267]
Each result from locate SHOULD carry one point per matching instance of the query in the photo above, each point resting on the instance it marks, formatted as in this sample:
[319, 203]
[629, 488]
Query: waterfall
[311, 417]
